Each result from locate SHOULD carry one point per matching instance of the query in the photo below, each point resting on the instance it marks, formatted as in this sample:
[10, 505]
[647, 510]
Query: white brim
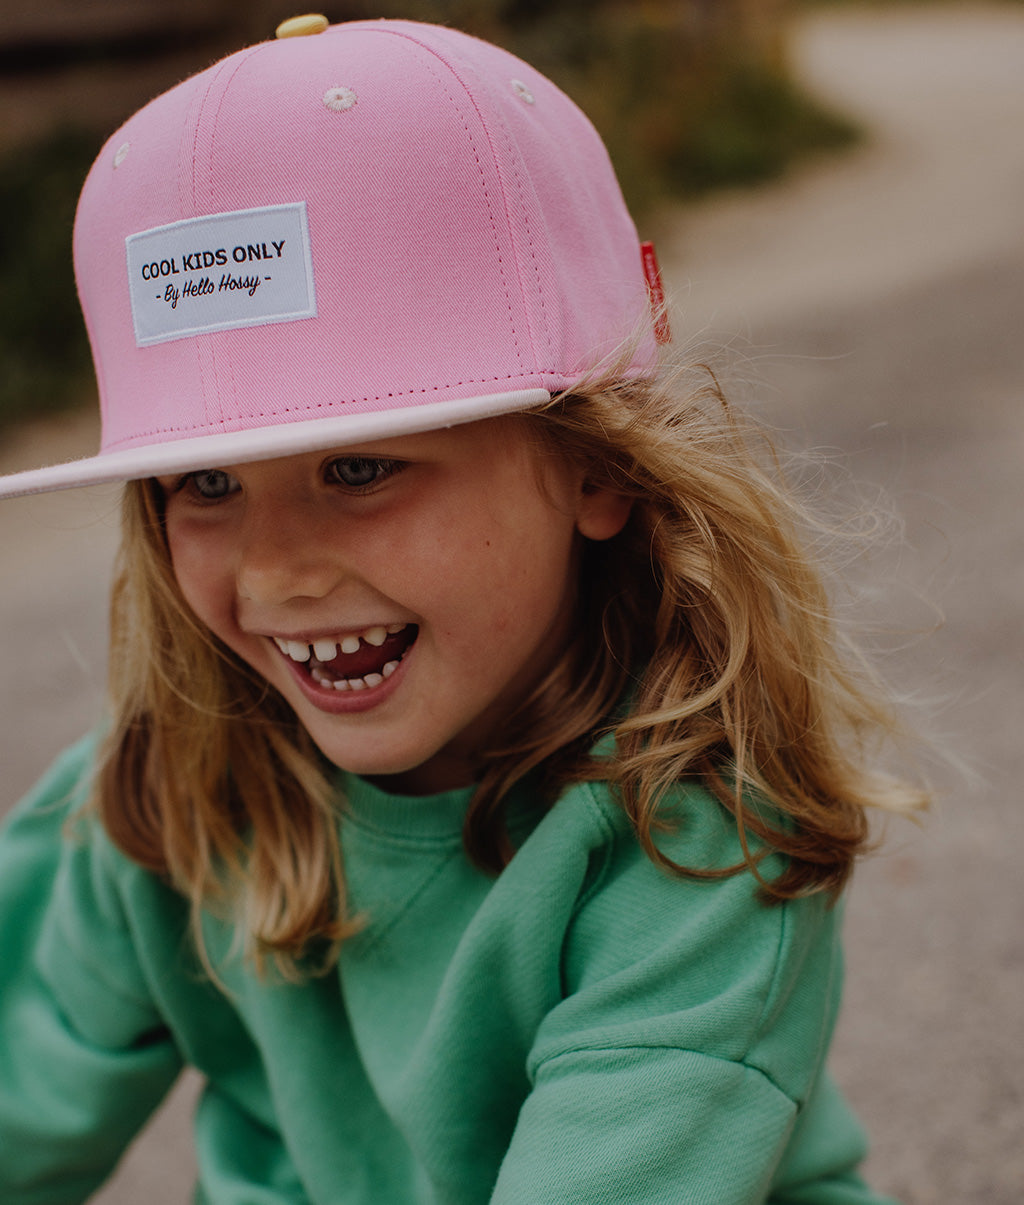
[264, 443]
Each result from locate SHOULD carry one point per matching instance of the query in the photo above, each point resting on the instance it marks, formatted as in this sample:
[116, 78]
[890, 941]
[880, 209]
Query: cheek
[199, 569]
[518, 578]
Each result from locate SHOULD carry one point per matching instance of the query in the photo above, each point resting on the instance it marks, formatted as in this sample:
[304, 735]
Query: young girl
[482, 769]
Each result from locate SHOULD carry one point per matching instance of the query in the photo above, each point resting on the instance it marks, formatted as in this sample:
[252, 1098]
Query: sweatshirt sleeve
[684, 1060]
[84, 1058]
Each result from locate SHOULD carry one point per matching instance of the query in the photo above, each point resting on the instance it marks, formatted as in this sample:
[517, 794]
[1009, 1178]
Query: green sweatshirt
[582, 1028]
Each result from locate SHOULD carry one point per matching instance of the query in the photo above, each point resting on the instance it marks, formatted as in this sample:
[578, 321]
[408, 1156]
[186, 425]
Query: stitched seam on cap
[307, 408]
[188, 149]
[434, 54]
[514, 158]
[216, 360]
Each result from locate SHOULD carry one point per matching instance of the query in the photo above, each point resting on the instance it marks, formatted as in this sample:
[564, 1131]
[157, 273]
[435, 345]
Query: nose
[284, 555]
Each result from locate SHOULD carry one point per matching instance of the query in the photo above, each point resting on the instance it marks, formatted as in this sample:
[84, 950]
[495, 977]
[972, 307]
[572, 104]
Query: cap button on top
[299, 27]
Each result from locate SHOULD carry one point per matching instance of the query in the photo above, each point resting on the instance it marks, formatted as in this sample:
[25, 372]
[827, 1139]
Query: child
[481, 770]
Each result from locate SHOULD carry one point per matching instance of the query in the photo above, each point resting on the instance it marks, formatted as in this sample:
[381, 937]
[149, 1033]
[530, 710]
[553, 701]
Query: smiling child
[482, 766]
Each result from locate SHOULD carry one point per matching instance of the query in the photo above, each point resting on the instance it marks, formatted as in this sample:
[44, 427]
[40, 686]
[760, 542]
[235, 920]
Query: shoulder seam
[611, 836]
[656, 1046]
[772, 981]
[373, 939]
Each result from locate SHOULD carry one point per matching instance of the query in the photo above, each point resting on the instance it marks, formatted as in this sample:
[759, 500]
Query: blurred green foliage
[689, 95]
[750, 128]
[44, 358]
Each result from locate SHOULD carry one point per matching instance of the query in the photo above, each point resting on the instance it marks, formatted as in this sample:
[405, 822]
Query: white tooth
[375, 636]
[389, 669]
[395, 627]
[325, 650]
[356, 684]
[281, 644]
[350, 644]
[297, 651]
[341, 684]
[373, 679]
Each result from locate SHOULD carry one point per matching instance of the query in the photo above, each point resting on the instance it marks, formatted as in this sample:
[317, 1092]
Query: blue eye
[211, 484]
[361, 472]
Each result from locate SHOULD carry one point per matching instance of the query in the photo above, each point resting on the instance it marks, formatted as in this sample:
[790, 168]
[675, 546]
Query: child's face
[403, 595]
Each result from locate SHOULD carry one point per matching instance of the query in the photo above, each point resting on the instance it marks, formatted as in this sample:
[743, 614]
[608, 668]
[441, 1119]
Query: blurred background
[836, 190]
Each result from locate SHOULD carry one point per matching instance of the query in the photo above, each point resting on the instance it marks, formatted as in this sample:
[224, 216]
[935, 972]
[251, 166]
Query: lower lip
[347, 702]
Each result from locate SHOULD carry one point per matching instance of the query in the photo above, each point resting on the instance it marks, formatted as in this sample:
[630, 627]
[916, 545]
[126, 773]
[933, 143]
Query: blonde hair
[704, 649]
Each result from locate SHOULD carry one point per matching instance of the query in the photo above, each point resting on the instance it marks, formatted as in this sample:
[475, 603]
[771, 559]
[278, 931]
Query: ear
[601, 513]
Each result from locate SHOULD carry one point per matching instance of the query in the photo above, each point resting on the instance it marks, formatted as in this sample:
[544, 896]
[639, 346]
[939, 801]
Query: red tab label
[656, 292]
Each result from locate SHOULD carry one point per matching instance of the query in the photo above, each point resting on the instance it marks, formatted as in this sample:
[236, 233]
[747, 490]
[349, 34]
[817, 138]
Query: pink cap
[383, 228]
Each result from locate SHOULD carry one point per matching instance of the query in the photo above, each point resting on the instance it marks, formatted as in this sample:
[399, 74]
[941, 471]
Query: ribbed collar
[429, 818]
[413, 817]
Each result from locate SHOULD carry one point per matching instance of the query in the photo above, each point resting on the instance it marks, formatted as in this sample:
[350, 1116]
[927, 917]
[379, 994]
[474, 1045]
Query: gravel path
[871, 305]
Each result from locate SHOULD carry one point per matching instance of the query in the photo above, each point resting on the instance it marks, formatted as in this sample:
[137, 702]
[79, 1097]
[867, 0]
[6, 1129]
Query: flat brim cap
[385, 228]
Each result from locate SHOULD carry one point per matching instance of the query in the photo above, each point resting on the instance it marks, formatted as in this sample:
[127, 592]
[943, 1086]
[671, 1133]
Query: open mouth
[357, 661]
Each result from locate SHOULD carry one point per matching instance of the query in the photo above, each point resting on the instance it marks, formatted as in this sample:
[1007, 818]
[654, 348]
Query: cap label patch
[247, 268]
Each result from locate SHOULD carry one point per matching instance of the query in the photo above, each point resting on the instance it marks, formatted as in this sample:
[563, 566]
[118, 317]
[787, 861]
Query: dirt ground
[870, 306]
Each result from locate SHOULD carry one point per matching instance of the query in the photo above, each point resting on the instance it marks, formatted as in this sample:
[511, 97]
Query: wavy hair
[704, 649]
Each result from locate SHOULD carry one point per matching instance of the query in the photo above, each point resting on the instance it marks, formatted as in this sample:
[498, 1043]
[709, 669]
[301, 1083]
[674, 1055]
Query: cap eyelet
[339, 99]
[521, 90]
